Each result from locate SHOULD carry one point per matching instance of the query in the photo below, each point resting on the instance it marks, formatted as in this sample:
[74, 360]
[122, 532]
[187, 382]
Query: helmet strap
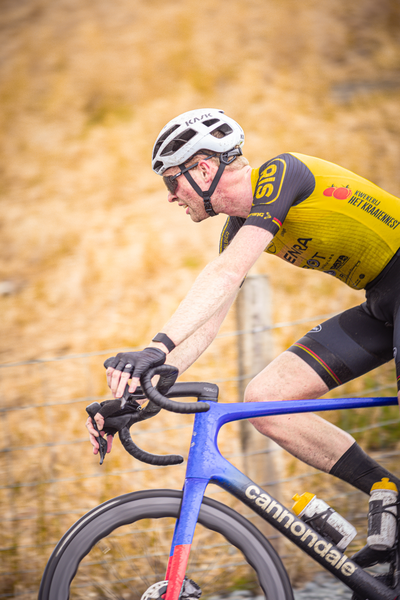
[225, 159]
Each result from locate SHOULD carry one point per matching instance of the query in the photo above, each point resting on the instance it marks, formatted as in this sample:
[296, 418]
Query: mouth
[184, 205]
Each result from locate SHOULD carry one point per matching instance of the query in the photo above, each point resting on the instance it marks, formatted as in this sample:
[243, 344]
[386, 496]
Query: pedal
[190, 591]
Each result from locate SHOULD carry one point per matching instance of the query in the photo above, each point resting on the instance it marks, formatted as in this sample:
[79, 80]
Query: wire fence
[50, 478]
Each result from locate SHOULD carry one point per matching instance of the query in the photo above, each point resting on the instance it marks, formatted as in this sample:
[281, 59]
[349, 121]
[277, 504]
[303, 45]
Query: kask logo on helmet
[193, 121]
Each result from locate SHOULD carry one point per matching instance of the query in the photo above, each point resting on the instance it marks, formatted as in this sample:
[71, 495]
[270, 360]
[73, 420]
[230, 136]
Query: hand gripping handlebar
[121, 421]
[205, 391]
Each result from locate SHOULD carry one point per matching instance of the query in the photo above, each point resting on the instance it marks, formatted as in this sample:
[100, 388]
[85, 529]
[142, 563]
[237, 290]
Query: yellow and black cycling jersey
[323, 217]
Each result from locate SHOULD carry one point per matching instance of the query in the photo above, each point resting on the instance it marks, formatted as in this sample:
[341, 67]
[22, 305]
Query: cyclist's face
[184, 194]
[171, 181]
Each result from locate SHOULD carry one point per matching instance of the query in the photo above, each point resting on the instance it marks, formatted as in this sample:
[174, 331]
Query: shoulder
[286, 159]
[274, 170]
[283, 177]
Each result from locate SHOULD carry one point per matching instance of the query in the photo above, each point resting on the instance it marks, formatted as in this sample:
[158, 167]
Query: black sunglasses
[170, 180]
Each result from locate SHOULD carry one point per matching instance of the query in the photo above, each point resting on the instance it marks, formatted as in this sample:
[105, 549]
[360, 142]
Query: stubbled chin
[196, 219]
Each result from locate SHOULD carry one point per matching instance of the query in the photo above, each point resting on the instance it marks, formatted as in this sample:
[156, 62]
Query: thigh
[287, 377]
[346, 346]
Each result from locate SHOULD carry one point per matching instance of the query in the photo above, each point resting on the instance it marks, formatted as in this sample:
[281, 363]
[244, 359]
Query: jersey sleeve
[231, 227]
[277, 185]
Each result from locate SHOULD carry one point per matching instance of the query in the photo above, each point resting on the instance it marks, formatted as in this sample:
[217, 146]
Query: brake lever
[102, 447]
[136, 395]
[91, 410]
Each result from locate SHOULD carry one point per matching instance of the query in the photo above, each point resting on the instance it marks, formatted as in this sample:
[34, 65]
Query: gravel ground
[324, 587]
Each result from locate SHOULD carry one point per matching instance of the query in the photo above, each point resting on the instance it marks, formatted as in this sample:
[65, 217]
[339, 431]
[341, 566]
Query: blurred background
[93, 259]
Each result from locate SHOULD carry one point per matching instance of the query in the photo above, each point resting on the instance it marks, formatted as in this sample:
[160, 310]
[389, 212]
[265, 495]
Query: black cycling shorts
[361, 338]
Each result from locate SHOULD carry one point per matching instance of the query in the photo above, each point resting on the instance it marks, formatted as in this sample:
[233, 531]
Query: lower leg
[308, 437]
[359, 469]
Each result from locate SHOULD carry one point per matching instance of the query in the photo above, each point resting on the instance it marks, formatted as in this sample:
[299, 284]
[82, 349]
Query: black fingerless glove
[136, 363]
[115, 417]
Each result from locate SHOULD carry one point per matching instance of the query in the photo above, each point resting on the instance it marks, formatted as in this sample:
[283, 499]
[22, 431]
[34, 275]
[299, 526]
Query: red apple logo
[329, 191]
[342, 193]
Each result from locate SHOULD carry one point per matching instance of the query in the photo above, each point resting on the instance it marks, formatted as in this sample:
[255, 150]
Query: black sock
[359, 469]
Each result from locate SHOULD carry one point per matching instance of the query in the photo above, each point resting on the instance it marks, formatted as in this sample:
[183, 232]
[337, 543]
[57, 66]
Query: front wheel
[120, 549]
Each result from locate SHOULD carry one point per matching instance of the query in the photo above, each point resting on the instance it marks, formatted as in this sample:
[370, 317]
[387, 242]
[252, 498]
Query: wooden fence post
[255, 351]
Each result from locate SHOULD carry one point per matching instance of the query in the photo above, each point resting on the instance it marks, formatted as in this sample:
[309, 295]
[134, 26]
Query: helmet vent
[162, 138]
[178, 142]
[158, 166]
[210, 122]
[221, 131]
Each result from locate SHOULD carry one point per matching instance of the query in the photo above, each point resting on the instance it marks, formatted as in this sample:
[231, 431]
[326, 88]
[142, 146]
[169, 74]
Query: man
[308, 212]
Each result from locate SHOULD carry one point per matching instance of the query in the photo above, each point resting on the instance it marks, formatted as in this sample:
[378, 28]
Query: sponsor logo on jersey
[340, 193]
[260, 214]
[352, 270]
[316, 329]
[270, 180]
[370, 205]
[306, 535]
[340, 262]
[297, 250]
[313, 263]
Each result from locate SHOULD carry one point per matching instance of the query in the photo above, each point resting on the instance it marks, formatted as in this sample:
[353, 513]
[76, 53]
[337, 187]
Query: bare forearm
[219, 281]
[190, 349]
[205, 299]
[204, 308]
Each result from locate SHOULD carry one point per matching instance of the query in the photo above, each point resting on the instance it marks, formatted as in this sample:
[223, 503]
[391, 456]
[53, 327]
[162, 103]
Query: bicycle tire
[69, 561]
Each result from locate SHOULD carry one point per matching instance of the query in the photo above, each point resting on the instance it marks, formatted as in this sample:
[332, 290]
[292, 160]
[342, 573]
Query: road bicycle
[176, 545]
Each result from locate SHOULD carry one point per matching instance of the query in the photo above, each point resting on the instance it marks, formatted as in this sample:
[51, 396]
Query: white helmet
[191, 132]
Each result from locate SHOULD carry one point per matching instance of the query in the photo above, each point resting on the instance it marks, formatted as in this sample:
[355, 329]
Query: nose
[171, 197]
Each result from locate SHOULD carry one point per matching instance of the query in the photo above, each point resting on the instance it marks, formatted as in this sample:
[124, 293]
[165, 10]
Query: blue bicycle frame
[207, 465]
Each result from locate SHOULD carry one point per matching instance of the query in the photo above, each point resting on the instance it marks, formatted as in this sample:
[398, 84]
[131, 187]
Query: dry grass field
[93, 257]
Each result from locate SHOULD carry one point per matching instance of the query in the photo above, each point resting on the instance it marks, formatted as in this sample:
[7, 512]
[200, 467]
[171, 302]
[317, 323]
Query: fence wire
[48, 483]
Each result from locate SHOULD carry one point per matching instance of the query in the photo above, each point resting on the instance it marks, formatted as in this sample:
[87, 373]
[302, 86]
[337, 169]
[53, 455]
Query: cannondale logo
[316, 329]
[306, 535]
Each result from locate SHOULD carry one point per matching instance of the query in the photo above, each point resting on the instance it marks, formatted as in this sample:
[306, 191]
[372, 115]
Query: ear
[206, 170]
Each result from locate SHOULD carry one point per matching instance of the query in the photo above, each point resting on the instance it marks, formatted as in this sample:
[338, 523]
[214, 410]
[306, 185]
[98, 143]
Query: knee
[257, 392]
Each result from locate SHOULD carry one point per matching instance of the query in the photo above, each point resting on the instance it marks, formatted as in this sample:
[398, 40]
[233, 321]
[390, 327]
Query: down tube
[301, 535]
